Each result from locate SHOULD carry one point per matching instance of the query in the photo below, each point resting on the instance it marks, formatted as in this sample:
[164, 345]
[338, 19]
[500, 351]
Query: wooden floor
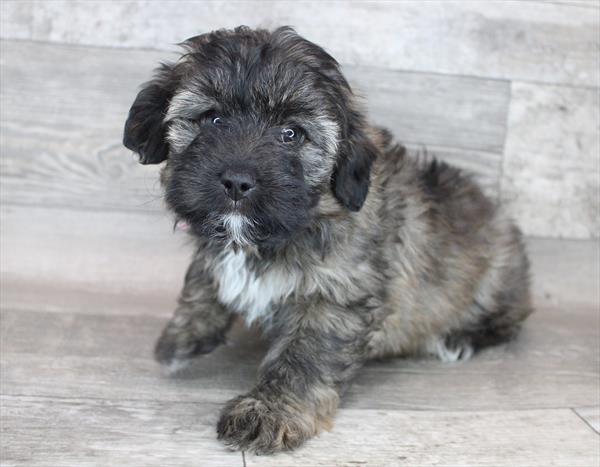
[79, 386]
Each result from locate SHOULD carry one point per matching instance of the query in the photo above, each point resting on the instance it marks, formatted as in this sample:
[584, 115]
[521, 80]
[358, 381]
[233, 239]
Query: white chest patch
[243, 291]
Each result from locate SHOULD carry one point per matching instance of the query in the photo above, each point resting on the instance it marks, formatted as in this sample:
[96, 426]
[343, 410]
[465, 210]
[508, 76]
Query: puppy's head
[255, 126]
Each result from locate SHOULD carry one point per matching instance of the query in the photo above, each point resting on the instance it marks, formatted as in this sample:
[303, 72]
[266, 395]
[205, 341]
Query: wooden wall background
[509, 90]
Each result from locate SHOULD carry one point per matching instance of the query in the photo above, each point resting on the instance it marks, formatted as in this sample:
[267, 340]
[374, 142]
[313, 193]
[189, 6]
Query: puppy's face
[254, 127]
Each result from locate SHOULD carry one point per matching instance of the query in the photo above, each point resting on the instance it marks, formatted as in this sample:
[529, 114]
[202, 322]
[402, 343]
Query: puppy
[317, 227]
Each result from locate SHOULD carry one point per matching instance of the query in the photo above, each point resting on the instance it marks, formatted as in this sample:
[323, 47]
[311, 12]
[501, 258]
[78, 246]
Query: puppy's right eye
[209, 117]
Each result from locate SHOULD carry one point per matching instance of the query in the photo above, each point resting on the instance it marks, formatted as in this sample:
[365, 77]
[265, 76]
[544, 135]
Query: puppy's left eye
[290, 135]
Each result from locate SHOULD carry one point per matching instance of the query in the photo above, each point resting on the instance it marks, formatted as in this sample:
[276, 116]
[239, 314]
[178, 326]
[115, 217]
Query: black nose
[237, 185]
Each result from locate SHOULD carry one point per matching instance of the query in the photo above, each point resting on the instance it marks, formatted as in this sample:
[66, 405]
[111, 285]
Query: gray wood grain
[551, 175]
[593, 4]
[95, 250]
[456, 111]
[565, 273]
[62, 116]
[541, 41]
[495, 439]
[83, 432]
[109, 356]
[63, 110]
[16, 19]
[151, 300]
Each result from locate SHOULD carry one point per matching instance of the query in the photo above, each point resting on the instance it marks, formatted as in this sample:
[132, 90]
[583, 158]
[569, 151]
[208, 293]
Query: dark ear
[352, 175]
[144, 129]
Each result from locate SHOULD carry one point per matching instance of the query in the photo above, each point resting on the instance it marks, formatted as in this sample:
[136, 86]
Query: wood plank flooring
[79, 386]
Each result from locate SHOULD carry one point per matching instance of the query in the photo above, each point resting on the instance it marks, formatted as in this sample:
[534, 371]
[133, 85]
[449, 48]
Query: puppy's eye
[290, 135]
[210, 116]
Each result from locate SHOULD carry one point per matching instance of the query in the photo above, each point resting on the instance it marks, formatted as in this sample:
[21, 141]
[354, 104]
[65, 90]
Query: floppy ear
[352, 175]
[144, 129]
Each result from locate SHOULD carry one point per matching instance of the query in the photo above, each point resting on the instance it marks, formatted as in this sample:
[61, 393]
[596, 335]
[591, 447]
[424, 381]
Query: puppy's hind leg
[198, 326]
[502, 301]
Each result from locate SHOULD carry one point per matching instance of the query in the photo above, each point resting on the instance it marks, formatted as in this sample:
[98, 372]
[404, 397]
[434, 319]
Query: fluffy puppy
[315, 226]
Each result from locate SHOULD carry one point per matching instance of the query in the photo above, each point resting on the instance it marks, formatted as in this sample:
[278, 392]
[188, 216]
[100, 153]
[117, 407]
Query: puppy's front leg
[199, 323]
[317, 351]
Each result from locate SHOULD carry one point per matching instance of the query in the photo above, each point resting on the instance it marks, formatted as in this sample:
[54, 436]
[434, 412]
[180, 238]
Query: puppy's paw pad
[251, 424]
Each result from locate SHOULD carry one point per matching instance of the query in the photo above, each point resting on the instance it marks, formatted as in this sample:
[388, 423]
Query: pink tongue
[182, 226]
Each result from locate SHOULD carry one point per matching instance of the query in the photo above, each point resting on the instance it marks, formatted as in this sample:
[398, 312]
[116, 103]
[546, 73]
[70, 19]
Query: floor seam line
[584, 421]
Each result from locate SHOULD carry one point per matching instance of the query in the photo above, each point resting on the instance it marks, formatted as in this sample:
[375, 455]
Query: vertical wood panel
[551, 176]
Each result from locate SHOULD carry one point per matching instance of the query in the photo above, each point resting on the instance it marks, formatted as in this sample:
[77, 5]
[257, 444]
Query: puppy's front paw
[262, 427]
[178, 344]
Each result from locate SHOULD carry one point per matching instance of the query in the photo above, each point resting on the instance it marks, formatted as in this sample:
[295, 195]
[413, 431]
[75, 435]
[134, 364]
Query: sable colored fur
[316, 226]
